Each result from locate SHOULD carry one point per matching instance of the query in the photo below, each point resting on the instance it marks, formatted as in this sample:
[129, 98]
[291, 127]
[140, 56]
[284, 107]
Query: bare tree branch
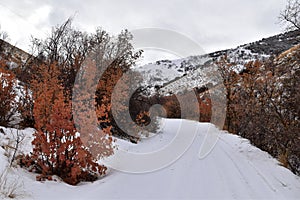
[290, 16]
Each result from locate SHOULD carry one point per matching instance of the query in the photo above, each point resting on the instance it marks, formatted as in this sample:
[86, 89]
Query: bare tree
[18, 138]
[3, 37]
[3, 34]
[290, 16]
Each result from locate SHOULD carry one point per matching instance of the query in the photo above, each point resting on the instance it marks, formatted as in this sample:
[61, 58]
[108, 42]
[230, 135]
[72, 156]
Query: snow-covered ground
[233, 170]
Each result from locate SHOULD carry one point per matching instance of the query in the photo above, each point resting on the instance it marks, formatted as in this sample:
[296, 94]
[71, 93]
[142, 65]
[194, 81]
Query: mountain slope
[268, 46]
[162, 73]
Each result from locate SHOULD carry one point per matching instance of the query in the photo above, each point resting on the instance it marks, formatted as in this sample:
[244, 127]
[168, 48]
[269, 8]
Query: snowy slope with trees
[162, 73]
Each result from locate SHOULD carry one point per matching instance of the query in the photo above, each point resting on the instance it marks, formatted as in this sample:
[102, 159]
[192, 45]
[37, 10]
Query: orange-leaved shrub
[57, 147]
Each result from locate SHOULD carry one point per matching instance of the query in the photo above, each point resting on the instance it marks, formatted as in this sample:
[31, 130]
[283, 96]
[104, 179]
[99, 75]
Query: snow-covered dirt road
[234, 169]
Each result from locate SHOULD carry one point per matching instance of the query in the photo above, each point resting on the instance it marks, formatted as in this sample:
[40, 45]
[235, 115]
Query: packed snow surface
[234, 169]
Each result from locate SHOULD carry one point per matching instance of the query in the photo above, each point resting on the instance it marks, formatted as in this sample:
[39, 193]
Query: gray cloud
[214, 24]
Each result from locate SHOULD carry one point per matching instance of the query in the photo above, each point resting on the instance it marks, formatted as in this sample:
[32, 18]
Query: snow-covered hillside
[233, 170]
[165, 72]
[173, 76]
[164, 76]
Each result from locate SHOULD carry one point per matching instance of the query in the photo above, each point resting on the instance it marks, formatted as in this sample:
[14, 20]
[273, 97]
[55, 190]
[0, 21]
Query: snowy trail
[233, 170]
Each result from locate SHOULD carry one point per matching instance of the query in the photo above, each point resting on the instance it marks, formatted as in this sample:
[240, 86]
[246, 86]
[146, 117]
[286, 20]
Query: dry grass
[10, 187]
[283, 159]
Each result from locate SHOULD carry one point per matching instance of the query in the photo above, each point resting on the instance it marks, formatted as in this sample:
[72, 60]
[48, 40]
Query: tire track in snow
[258, 172]
[242, 176]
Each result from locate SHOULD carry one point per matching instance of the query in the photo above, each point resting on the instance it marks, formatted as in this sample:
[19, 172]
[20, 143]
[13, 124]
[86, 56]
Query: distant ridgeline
[267, 46]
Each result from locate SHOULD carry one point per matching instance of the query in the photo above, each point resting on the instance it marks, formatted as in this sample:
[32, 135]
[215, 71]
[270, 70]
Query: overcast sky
[214, 24]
